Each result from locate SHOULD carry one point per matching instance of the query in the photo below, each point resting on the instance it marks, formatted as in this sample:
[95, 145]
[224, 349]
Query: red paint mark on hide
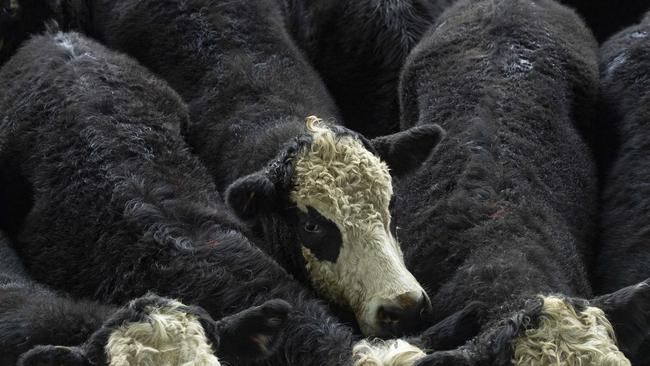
[500, 213]
[213, 242]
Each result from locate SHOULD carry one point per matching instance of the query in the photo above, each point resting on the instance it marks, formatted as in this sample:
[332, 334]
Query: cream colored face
[169, 337]
[351, 187]
[576, 337]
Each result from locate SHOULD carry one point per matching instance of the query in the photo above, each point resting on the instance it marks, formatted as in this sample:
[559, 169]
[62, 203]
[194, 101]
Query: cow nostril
[403, 310]
[403, 313]
[388, 315]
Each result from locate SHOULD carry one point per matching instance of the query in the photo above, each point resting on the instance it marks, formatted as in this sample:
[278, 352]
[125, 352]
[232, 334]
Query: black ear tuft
[250, 195]
[53, 356]
[406, 150]
[628, 309]
[455, 330]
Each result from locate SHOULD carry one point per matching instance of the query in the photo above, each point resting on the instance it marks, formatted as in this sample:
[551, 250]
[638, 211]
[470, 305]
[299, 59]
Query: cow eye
[311, 227]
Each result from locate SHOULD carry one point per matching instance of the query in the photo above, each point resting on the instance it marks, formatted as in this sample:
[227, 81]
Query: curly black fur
[119, 207]
[248, 87]
[39, 326]
[624, 248]
[505, 210]
[31, 314]
[359, 48]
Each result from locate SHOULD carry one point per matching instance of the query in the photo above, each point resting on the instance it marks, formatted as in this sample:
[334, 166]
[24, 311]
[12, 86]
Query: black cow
[51, 329]
[504, 213]
[624, 257]
[359, 48]
[317, 194]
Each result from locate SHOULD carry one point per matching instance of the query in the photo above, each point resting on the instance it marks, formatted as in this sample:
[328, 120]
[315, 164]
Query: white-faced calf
[315, 193]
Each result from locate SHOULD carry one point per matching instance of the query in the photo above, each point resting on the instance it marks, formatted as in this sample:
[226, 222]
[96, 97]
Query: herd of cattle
[344, 182]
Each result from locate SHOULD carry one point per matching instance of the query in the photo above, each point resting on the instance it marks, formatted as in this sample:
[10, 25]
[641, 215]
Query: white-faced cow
[316, 194]
[41, 327]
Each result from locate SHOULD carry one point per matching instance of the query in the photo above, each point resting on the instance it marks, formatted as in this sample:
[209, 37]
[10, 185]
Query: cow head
[152, 330]
[332, 190]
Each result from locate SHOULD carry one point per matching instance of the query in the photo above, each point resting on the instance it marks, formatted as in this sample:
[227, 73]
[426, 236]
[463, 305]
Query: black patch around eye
[320, 235]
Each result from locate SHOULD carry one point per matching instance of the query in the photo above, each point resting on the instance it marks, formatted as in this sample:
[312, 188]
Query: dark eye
[310, 227]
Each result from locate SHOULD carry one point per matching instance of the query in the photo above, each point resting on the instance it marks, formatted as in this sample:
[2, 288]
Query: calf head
[152, 330]
[330, 191]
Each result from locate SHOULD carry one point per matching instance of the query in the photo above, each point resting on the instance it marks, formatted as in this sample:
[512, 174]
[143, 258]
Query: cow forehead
[342, 180]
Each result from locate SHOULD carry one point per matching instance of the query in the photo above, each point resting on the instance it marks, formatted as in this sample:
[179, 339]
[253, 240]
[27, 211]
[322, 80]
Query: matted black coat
[359, 48]
[504, 211]
[624, 249]
[39, 326]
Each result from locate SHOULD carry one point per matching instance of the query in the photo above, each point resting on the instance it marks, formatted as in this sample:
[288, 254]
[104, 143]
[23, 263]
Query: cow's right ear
[251, 195]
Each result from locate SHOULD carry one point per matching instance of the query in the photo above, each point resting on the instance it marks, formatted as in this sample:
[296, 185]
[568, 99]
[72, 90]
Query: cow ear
[253, 334]
[251, 195]
[406, 150]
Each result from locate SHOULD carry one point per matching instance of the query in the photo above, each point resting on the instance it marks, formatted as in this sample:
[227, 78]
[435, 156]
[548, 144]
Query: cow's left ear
[406, 150]
[251, 195]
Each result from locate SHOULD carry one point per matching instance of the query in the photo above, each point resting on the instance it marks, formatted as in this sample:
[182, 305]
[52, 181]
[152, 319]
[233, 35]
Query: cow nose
[403, 314]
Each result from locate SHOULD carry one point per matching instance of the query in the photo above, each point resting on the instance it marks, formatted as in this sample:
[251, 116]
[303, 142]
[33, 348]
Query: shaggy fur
[32, 316]
[624, 257]
[506, 209]
[565, 337]
[170, 338]
[628, 310]
[249, 91]
[342, 179]
[384, 353]
[625, 248]
[155, 331]
[445, 335]
[350, 186]
[115, 206]
[359, 48]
